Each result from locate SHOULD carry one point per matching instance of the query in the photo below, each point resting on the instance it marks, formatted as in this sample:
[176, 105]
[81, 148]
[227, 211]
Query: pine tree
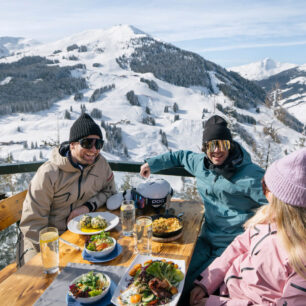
[164, 139]
[175, 107]
[67, 115]
[126, 152]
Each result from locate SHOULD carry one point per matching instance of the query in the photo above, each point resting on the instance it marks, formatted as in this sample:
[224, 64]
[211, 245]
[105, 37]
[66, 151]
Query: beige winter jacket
[58, 187]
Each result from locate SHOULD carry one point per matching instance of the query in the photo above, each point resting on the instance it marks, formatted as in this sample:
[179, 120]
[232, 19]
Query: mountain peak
[9, 45]
[262, 69]
[268, 63]
[129, 28]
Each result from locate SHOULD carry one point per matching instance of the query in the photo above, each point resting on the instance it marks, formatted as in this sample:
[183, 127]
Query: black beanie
[82, 127]
[216, 128]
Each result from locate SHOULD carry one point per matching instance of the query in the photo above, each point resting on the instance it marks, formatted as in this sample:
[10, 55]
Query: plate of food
[151, 280]
[165, 226]
[89, 287]
[100, 245]
[93, 223]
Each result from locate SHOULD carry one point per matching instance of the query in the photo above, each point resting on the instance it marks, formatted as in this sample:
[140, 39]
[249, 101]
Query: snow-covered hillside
[106, 58]
[11, 45]
[262, 69]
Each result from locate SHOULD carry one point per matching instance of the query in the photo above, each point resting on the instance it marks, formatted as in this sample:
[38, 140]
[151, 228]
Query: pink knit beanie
[286, 178]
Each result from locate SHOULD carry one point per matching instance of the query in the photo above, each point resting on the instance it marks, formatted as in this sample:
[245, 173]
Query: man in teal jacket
[229, 184]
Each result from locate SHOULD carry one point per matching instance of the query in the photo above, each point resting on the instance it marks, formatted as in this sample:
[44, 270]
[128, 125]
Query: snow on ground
[299, 80]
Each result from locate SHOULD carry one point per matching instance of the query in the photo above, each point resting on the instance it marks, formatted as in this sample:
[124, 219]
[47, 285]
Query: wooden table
[27, 284]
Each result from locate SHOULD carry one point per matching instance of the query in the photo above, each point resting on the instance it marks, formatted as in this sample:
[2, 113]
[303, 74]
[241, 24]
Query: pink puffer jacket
[254, 270]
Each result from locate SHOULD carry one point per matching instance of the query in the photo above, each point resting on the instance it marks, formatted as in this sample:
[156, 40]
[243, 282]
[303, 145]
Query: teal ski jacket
[228, 202]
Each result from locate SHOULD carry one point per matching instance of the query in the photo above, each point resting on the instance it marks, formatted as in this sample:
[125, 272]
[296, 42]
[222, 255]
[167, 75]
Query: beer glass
[127, 211]
[48, 240]
[143, 238]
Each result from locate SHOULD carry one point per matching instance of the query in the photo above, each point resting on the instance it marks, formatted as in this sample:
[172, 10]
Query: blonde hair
[291, 228]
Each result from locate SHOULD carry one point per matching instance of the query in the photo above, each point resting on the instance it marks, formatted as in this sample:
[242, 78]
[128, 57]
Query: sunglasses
[88, 143]
[212, 145]
[264, 187]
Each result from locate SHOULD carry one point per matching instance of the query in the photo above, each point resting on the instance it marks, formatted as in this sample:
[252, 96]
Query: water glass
[143, 235]
[127, 211]
[48, 240]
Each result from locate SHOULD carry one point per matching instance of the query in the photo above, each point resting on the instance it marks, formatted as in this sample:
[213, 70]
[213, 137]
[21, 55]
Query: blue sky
[228, 32]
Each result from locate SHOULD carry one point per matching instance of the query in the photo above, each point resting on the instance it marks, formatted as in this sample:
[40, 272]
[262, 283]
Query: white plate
[124, 281]
[111, 219]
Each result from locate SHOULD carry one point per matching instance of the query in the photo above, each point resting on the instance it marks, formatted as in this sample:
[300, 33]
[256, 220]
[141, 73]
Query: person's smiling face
[84, 156]
[218, 156]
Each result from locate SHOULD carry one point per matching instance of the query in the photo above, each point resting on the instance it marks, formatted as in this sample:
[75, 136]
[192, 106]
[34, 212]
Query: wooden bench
[10, 213]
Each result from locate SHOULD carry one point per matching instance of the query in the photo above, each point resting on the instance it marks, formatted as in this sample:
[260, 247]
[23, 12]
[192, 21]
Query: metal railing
[115, 165]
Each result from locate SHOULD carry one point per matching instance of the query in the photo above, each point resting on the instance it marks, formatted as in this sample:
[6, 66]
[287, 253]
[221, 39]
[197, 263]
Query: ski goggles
[88, 143]
[141, 202]
[212, 145]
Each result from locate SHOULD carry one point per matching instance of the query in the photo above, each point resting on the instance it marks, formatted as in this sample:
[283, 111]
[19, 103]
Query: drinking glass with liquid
[127, 212]
[143, 237]
[48, 241]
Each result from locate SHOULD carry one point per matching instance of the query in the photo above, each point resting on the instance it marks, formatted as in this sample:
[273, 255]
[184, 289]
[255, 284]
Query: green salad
[99, 242]
[154, 282]
[90, 284]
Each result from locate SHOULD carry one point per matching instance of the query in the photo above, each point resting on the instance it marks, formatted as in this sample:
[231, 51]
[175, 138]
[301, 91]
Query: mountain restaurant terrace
[26, 285]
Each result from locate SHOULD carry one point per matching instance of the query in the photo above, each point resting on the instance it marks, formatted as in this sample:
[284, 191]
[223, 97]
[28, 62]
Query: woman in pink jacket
[266, 265]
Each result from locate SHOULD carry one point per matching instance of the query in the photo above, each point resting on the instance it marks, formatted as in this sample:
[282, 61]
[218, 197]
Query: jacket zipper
[79, 189]
[79, 184]
[214, 182]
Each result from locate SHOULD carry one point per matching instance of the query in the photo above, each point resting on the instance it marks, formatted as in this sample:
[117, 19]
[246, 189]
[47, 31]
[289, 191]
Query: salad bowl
[93, 284]
[100, 245]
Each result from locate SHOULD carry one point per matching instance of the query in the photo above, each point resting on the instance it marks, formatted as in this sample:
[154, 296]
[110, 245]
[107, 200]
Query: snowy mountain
[290, 88]
[11, 45]
[262, 69]
[286, 81]
[149, 97]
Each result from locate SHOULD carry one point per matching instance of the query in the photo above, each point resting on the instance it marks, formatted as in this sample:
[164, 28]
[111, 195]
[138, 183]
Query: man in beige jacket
[76, 180]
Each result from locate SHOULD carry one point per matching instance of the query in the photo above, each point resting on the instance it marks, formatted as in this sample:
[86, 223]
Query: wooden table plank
[27, 284]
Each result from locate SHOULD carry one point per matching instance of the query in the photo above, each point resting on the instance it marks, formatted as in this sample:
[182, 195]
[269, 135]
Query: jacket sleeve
[213, 276]
[108, 189]
[36, 206]
[187, 159]
[294, 292]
